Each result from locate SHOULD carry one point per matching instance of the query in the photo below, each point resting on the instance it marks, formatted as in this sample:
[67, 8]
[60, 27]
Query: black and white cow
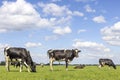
[81, 66]
[108, 62]
[62, 55]
[21, 55]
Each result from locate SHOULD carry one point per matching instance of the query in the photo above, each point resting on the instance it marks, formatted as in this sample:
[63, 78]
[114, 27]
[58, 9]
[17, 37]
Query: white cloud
[58, 11]
[3, 30]
[62, 31]
[99, 19]
[91, 47]
[54, 9]
[77, 13]
[112, 34]
[14, 17]
[21, 15]
[31, 44]
[89, 9]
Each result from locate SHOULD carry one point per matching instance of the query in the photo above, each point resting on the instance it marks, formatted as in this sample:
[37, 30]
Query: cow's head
[33, 67]
[75, 52]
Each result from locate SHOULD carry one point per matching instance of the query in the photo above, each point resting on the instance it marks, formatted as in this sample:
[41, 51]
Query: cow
[106, 61]
[81, 66]
[21, 55]
[62, 55]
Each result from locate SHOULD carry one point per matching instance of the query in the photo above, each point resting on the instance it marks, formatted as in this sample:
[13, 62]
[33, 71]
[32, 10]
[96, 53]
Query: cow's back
[14, 52]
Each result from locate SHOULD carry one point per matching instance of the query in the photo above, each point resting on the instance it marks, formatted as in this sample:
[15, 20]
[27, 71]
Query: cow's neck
[29, 61]
[72, 57]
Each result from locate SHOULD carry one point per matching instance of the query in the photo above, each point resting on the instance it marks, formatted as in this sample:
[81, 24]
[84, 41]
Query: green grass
[59, 73]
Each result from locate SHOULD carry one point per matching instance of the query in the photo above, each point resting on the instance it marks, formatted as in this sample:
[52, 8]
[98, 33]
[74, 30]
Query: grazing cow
[79, 66]
[108, 62]
[21, 55]
[62, 55]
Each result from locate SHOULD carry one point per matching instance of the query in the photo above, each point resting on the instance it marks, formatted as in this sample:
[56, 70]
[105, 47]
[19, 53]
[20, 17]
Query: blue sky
[93, 26]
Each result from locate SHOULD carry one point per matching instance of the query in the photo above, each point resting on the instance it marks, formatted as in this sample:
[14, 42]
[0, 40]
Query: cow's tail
[5, 51]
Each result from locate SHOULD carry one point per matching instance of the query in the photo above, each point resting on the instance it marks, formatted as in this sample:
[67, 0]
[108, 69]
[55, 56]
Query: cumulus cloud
[77, 13]
[112, 34]
[31, 44]
[20, 15]
[62, 31]
[54, 9]
[91, 51]
[99, 19]
[91, 47]
[58, 11]
[89, 9]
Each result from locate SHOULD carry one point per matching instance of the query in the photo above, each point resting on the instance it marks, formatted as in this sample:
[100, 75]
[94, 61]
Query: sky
[92, 26]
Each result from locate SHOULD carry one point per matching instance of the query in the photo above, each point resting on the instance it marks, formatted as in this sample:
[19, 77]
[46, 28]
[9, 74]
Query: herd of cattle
[21, 57]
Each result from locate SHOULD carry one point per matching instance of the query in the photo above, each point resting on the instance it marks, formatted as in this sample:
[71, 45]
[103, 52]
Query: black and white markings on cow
[66, 55]
[106, 61]
[81, 66]
[21, 55]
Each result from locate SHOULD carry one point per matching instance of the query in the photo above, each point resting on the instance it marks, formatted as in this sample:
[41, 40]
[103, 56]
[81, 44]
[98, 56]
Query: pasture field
[59, 73]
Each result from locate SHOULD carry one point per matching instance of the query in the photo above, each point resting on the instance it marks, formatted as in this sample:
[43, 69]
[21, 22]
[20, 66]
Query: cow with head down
[62, 55]
[21, 55]
[106, 61]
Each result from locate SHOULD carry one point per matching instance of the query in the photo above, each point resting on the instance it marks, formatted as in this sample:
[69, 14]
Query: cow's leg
[51, 62]
[26, 65]
[66, 61]
[99, 66]
[7, 63]
[21, 65]
[21, 68]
